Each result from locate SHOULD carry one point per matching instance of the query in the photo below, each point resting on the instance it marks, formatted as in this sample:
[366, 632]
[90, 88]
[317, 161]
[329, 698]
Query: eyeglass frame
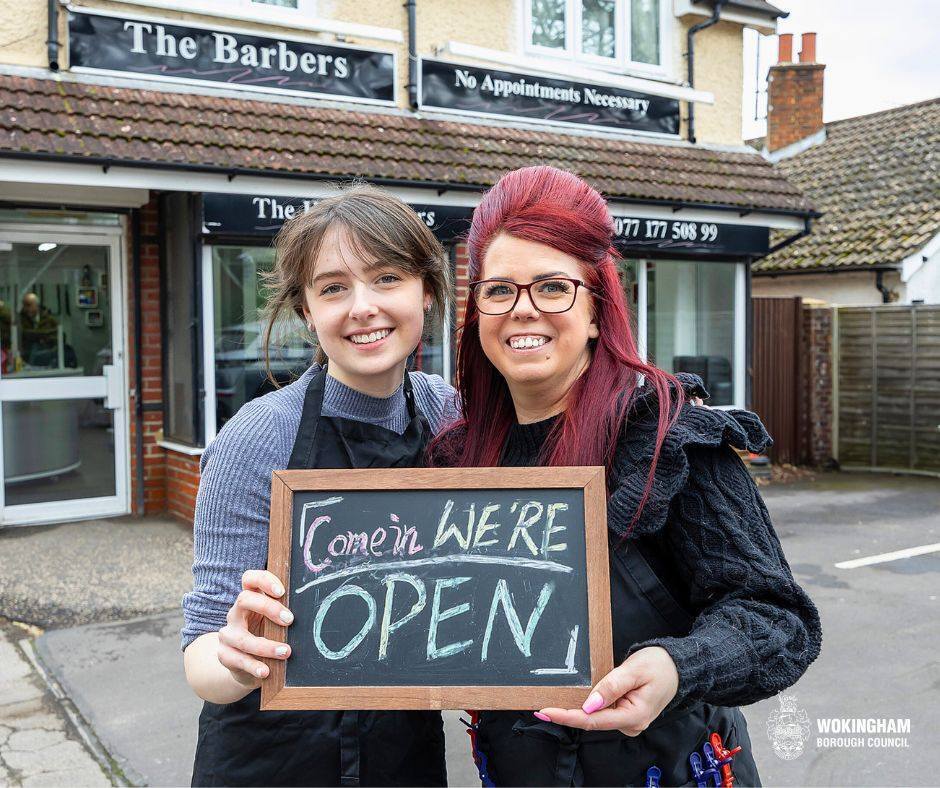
[519, 288]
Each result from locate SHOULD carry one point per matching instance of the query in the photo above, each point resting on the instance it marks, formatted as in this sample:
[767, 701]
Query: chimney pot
[808, 52]
[794, 94]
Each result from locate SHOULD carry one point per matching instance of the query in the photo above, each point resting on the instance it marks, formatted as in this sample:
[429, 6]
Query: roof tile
[135, 125]
[876, 179]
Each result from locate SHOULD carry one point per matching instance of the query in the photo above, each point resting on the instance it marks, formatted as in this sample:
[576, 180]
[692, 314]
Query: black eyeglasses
[497, 296]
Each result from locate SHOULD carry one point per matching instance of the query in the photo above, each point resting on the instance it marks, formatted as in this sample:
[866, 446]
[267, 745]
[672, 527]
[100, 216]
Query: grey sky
[878, 54]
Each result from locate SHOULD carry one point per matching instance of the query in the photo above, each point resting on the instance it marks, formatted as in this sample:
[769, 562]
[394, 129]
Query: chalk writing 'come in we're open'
[532, 543]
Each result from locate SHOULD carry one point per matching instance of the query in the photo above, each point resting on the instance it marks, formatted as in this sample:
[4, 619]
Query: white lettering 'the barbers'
[227, 49]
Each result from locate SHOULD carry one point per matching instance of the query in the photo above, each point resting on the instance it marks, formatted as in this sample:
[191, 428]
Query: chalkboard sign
[425, 588]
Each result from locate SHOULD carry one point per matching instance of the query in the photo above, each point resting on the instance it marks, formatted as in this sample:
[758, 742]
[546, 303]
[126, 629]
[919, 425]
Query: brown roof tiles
[134, 125]
[876, 179]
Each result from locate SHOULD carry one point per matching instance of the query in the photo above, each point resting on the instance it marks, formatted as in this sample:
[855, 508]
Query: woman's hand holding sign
[628, 698]
[239, 643]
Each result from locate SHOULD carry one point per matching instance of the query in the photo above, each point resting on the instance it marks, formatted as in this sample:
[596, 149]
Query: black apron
[520, 750]
[240, 745]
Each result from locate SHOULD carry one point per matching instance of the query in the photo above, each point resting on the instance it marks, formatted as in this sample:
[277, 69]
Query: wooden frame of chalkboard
[277, 692]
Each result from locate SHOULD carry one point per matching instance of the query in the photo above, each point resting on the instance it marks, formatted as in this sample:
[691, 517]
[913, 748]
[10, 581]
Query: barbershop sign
[228, 58]
[256, 214]
[476, 90]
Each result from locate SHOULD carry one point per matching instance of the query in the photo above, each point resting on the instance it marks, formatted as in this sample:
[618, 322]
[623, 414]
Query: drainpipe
[690, 56]
[53, 41]
[138, 362]
[880, 285]
[411, 5]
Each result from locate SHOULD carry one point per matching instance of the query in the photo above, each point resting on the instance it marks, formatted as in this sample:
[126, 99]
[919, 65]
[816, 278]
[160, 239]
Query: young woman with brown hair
[364, 274]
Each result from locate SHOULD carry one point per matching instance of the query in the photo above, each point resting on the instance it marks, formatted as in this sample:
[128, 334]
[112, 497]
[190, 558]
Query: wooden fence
[776, 390]
[886, 373]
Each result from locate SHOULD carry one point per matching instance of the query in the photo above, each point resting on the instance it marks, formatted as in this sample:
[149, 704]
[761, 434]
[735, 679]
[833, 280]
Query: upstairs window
[276, 11]
[618, 35]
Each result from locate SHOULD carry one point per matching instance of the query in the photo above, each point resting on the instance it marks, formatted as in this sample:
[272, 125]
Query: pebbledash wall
[139, 196]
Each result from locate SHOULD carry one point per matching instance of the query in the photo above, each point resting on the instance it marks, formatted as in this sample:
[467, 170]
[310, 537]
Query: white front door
[63, 389]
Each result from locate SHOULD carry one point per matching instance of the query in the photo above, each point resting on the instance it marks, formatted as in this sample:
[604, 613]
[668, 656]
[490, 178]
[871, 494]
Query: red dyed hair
[558, 209]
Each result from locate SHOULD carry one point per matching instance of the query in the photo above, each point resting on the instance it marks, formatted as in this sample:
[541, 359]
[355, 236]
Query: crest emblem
[788, 728]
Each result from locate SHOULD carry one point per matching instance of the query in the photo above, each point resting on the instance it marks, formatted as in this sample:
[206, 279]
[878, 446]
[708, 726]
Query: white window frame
[621, 63]
[739, 347]
[304, 17]
[272, 14]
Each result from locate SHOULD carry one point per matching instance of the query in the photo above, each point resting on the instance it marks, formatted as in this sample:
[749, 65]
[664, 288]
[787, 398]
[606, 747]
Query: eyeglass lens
[548, 295]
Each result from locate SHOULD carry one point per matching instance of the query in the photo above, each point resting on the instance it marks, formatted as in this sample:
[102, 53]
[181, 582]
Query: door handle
[113, 389]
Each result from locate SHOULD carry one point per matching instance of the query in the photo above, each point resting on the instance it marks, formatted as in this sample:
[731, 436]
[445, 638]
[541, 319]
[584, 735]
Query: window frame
[621, 63]
[189, 305]
[207, 354]
[271, 14]
[244, 10]
[739, 321]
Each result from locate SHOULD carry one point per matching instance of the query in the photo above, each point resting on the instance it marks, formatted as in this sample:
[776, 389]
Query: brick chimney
[794, 94]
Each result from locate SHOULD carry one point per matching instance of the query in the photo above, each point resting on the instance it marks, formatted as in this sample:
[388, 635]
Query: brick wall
[816, 439]
[151, 393]
[182, 482]
[794, 94]
[170, 478]
[461, 280]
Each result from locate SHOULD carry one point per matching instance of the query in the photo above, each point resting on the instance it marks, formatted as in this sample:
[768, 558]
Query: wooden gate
[776, 390]
[887, 381]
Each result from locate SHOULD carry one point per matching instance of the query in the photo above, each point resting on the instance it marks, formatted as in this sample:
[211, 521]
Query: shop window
[431, 354]
[613, 34]
[182, 419]
[690, 322]
[238, 330]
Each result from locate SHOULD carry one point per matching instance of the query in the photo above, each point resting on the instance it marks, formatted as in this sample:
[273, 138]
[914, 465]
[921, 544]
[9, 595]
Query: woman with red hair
[706, 613]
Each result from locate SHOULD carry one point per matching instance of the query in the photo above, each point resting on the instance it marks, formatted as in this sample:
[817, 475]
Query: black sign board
[235, 59]
[478, 90]
[641, 234]
[440, 588]
[251, 214]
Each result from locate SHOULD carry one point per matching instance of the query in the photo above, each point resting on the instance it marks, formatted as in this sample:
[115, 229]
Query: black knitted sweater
[707, 533]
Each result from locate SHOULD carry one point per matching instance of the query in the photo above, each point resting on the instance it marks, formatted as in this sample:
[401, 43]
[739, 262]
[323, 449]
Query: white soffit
[93, 196]
[90, 181]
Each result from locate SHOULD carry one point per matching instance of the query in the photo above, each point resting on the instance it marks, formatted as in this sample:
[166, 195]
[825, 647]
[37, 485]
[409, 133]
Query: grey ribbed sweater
[231, 523]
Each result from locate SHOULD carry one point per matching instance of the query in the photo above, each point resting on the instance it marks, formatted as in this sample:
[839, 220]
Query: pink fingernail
[543, 717]
[594, 702]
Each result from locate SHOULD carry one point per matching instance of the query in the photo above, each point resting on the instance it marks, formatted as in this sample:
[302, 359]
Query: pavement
[124, 708]
[38, 743]
[97, 570]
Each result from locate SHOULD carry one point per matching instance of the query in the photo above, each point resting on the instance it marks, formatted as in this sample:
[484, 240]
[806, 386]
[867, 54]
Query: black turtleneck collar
[524, 443]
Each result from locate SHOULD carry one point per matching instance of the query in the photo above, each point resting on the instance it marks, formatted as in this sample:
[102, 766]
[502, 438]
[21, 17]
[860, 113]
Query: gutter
[807, 229]
[441, 186]
[774, 273]
[690, 57]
